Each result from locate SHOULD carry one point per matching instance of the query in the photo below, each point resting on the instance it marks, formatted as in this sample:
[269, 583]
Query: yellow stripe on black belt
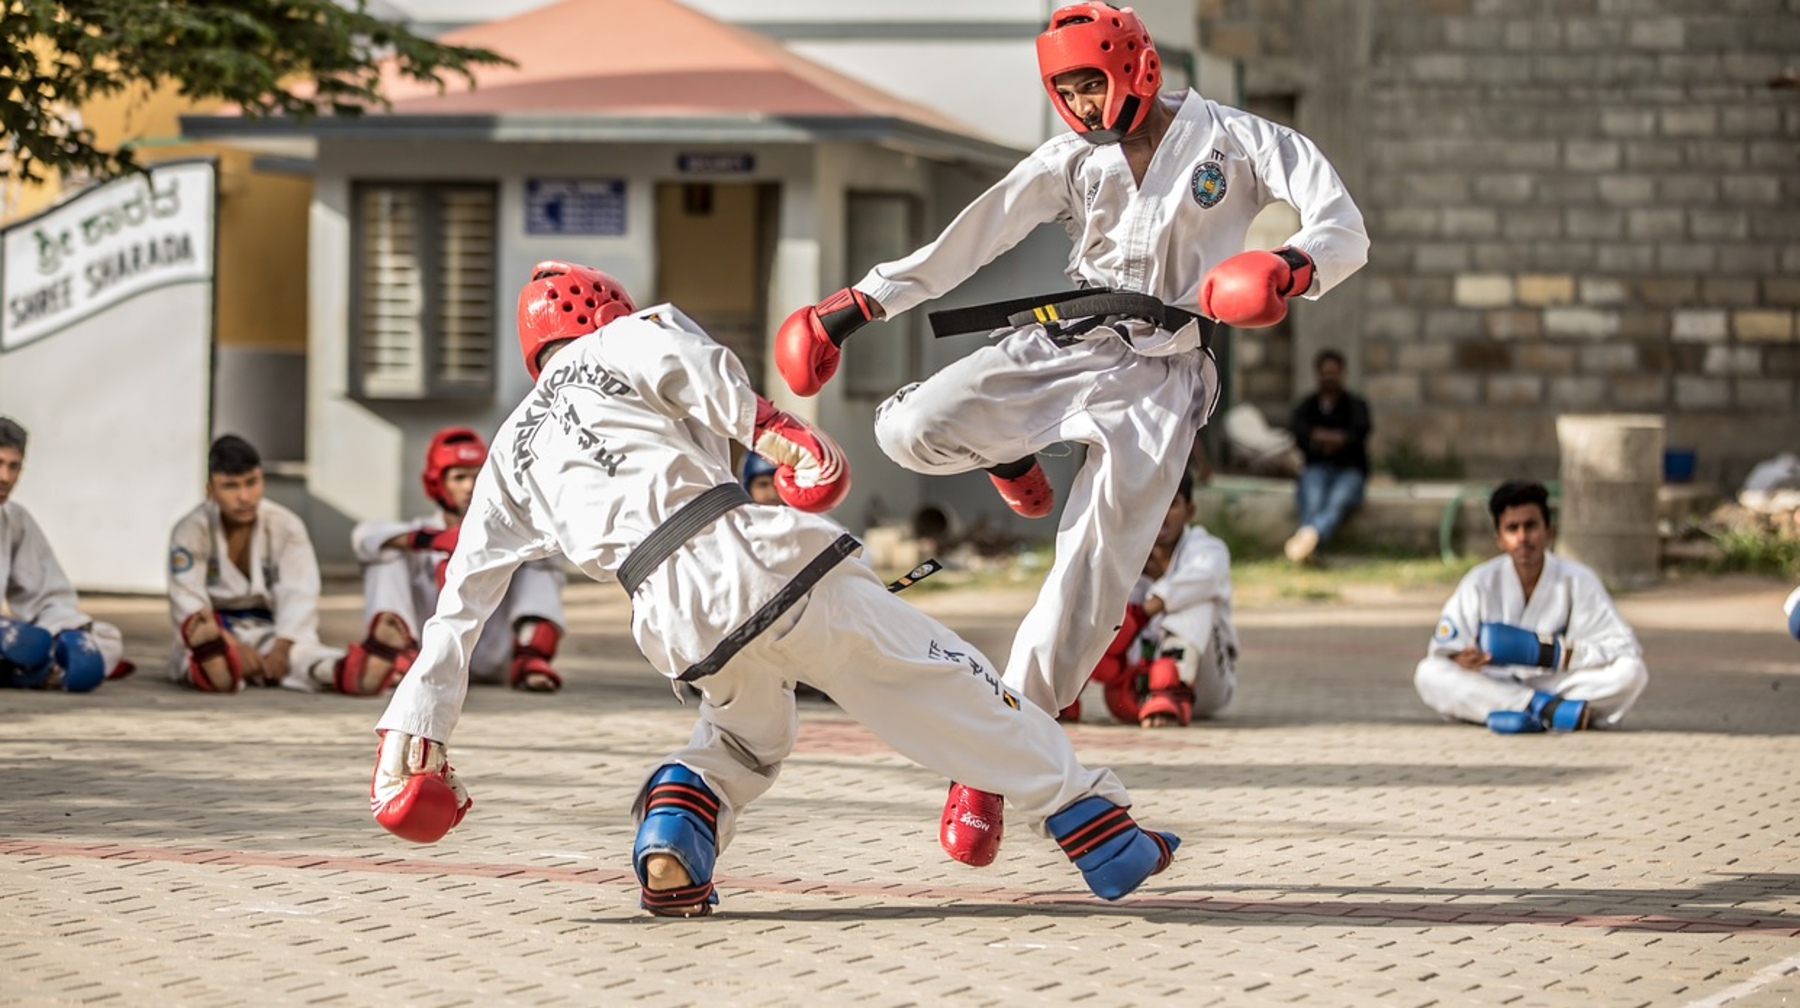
[1047, 313]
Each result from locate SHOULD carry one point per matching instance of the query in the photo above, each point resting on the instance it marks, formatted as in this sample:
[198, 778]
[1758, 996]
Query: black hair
[231, 456]
[1186, 490]
[1328, 354]
[11, 434]
[1518, 493]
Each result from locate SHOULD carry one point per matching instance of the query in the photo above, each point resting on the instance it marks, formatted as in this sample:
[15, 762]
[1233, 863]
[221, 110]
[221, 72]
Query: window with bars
[423, 290]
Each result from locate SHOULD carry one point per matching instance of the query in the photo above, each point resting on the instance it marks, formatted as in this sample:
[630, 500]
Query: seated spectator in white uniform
[758, 477]
[1175, 655]
[244, 586]
[403, 571]
[1531, 641]
[46, 641]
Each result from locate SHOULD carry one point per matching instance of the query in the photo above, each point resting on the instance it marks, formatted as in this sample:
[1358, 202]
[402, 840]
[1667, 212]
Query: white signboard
[127, 237]
[107, 362]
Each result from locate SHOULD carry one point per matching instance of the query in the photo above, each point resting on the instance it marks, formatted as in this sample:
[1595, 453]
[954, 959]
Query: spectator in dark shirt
[1332, 427]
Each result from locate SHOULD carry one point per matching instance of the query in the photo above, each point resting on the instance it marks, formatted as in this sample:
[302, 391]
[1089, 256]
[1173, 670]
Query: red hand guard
[1250, 289]
[440, 540]
[414, 794]
[806, 345]
[811, 472]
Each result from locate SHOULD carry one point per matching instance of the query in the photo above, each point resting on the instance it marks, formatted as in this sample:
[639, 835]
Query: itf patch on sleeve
[1446, 632]
[180, 561]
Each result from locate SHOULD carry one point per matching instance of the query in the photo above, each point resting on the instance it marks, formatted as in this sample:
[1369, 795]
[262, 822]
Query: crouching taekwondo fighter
[619, 460]
[1157, 192]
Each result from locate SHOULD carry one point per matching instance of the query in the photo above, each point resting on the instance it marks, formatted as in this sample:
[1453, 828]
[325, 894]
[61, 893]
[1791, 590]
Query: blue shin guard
[1114, 853]
[78, 655]
[25, 660]
[1545, 712]
[681, 815]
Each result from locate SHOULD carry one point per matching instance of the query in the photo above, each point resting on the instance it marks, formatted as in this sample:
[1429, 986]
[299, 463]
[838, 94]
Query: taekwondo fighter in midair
[244, 586]
[1157, 192]
[620, 461]
[403, 565]
[46, 640]
[1531, 641]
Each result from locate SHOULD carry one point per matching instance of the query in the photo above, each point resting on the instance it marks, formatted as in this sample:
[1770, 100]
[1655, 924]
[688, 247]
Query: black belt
[679, 528]
[253, 613]
[1046, 308]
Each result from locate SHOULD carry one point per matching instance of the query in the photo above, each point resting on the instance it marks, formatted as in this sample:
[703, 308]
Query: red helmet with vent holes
[563, 301]
[1113, 41]
[451, 448]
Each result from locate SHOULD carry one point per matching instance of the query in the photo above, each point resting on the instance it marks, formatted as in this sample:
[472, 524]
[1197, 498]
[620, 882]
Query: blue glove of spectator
[1511, 645]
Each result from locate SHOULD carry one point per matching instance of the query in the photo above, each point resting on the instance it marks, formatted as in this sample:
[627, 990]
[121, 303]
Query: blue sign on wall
[575, 206]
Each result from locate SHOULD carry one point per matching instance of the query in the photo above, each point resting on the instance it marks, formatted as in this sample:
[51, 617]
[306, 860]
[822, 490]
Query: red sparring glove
[1117, 659]
[414, 794]
[806, 345]
[811, 472]
[436, 541]
[1250, 289]
[440, 540]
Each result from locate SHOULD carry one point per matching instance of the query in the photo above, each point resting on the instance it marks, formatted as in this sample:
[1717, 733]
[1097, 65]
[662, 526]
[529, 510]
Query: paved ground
[159, 847]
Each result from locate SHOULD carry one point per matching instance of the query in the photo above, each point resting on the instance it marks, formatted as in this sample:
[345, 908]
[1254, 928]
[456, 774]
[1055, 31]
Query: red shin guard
[1169, 697]
[353, 676]
[536, 645]
[213, 665]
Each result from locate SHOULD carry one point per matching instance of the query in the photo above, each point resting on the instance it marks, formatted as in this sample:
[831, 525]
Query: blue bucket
[1678, 465]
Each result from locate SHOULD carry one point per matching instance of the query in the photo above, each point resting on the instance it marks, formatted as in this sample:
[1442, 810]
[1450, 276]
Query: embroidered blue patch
[1208, 185]
[180, 561]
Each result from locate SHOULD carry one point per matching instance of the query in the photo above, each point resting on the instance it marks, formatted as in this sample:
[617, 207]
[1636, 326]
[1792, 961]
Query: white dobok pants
[907, 678]
[1136, 415]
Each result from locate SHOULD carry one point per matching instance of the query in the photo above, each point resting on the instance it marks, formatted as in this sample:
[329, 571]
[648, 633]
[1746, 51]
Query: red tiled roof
[646, 58]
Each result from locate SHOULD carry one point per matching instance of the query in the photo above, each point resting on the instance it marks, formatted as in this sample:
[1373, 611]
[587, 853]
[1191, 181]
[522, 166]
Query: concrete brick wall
[1576, 206]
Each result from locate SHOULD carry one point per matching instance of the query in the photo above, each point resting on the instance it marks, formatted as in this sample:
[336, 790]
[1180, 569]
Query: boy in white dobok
[244, 586]
[403, 571]
[1180, 614]
[1531, 641]
[619, 460]
[46, 641]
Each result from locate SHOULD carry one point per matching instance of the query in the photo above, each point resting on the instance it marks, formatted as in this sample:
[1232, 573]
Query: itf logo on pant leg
[976, 669]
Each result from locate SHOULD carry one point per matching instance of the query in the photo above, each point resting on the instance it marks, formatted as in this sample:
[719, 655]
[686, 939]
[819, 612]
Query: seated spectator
[46, 641]
[1531, 641]
[403, 570]
[1180, 620]
[1332, 427]
[244, 586]
[758, 477]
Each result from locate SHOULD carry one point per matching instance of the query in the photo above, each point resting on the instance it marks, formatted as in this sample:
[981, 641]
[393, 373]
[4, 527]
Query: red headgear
[1113, 41]
[451, 448]
[564, 301]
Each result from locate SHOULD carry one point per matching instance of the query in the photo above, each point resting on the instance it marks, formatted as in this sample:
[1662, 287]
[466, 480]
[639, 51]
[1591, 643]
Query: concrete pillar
[1611, 469]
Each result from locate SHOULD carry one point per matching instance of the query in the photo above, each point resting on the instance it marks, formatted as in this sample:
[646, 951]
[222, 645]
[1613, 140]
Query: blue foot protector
[681, 815]
[1114, 853]
[24, 654]
[78, 655]
[1545, 712]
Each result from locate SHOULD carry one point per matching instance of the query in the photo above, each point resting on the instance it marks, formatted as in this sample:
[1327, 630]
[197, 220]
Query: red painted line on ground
[1383, 912]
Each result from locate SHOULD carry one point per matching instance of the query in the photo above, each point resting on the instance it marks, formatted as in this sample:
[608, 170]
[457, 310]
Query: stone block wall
[1576, 206]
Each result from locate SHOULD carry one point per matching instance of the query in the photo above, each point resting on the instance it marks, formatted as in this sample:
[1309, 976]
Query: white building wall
[364, 454]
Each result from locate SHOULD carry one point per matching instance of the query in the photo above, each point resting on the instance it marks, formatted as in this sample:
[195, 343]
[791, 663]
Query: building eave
[292, 137]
